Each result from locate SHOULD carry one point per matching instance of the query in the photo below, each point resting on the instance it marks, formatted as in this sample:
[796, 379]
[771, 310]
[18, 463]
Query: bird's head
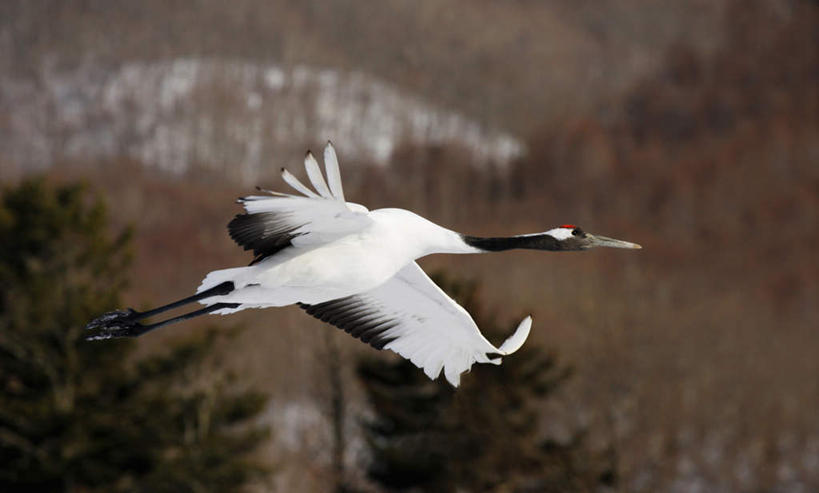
[563, 238]
[571, 237]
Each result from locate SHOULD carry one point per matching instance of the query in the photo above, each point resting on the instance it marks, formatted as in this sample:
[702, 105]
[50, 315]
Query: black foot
[119, 323]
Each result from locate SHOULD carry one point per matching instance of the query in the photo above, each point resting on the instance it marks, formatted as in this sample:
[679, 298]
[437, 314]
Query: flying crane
[355, 269]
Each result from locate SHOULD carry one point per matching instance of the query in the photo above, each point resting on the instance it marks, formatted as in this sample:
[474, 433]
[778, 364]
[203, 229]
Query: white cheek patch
[560, 233]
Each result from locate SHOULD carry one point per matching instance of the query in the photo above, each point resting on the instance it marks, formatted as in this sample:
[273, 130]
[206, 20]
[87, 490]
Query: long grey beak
[602, 241]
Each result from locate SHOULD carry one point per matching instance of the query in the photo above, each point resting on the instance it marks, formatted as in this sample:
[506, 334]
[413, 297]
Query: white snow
[242, 118]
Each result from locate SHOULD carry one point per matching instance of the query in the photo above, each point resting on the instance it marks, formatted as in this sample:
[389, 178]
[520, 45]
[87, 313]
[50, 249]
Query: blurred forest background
[689, 127]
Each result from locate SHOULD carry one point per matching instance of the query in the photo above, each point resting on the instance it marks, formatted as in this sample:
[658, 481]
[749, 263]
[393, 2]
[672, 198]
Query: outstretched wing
[412, 316]
[275, 221]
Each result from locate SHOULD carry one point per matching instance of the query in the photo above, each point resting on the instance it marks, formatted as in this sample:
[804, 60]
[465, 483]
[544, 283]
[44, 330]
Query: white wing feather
[314, 173]
[311, 220]
[276, 220]
[297, 185]
[333, 173]
[413, 317]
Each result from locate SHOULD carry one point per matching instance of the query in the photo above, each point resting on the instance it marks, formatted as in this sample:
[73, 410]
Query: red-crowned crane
[355, 269]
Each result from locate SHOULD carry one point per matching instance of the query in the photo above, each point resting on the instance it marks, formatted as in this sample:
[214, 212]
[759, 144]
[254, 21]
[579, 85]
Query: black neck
[528, 242]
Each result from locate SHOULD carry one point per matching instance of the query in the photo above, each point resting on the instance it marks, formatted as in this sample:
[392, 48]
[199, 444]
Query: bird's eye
[576, 232]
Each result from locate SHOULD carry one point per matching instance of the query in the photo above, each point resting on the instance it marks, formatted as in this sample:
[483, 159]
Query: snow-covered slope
[234, 117]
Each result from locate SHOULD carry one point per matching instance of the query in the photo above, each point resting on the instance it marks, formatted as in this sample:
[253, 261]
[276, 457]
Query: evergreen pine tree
[82, 416]
[483, 436]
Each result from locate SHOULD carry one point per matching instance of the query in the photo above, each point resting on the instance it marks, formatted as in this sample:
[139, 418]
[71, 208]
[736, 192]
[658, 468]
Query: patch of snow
[274, 77]
[240, 118]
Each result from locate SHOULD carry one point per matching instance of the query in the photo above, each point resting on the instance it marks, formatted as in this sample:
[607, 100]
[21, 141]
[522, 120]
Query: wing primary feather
[296, 184]
[333, 172]
[516, 340]
[314, 173]
[264, 190]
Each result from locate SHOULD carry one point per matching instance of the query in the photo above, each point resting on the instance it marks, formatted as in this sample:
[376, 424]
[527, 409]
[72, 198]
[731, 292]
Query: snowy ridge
[241, 118]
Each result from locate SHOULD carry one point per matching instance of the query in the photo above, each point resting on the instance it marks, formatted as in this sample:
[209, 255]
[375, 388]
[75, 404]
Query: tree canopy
[88, 416]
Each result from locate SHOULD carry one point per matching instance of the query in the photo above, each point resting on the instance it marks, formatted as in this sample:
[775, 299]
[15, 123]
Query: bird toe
[114, 324]
[111, 318]
[117, 330]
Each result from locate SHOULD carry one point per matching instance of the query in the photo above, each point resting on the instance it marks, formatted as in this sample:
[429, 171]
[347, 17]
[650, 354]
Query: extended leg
[130, 314]
[130, 327]
[120, 319]
[219, 290]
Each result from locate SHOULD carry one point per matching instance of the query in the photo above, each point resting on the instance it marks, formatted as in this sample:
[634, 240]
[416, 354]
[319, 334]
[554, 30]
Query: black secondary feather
[266, 233]
[356, 317]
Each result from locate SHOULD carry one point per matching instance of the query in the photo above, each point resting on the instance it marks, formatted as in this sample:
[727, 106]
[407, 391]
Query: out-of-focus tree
[81, 416]
[437, 180]
[701, 159]
[484, 436]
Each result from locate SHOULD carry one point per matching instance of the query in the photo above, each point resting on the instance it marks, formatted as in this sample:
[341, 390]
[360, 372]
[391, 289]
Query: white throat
[560, 233]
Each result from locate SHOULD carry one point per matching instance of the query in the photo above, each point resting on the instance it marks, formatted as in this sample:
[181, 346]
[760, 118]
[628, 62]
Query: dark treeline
[80, 416]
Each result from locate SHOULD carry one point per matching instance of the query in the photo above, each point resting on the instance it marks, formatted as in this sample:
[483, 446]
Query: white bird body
[354, 263]
[355, 269]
